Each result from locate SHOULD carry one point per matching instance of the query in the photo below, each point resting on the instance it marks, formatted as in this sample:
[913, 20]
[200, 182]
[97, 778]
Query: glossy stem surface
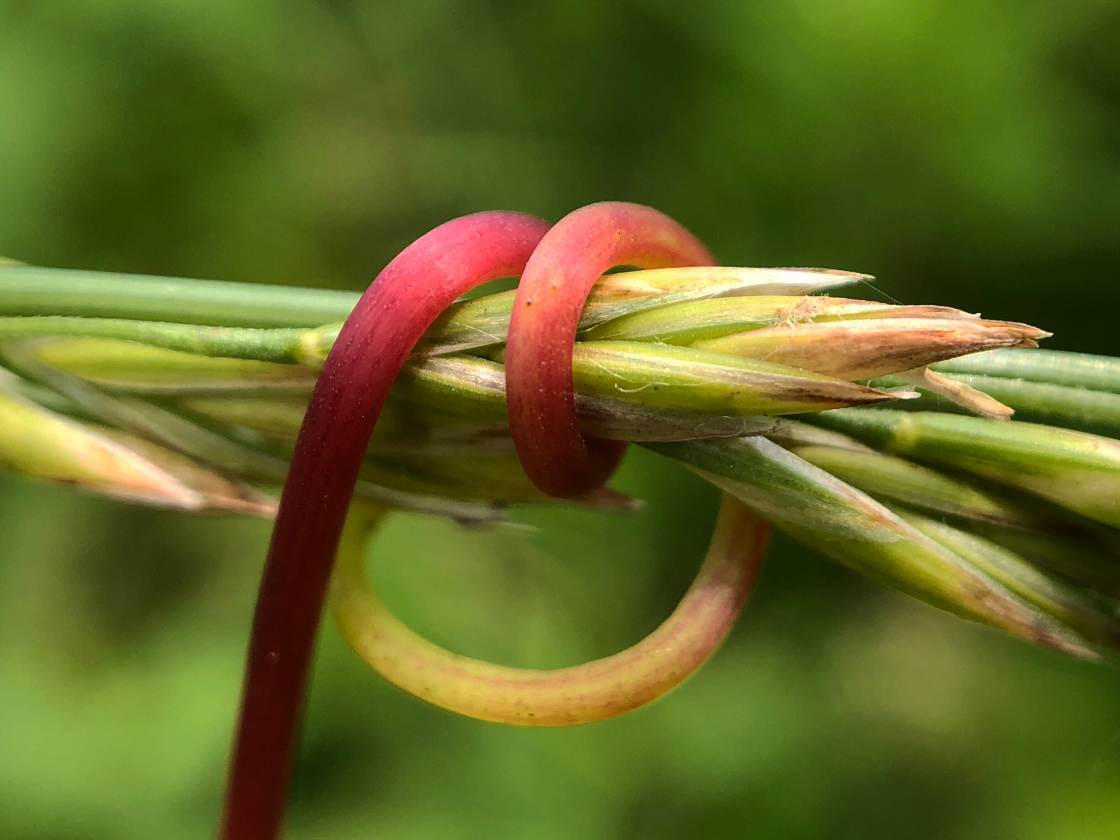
[546, 312]
[389, 319]
[580, 694]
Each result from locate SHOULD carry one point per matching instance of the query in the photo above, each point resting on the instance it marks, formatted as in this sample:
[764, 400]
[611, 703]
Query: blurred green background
[965, 153]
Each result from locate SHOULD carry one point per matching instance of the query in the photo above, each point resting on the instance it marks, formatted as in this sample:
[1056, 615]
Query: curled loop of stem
[558, 269]
[580, 694]
[546, 312]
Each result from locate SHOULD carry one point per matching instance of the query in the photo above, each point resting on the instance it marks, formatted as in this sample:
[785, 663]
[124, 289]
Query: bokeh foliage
[964, 153]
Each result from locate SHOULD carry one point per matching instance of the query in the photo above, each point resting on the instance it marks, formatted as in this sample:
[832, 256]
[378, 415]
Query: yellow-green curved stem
[584, 693]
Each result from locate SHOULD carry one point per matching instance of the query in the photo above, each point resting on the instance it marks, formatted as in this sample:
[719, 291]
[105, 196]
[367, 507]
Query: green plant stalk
[894, 479]
[66, 302]
[1077, 550]
[1073, 390]
[650, 376]
[279, 345]
[447, 427]
[1092, 560]
[822, 511]
[1084, 409]
[1058, 367]
[1071, 469]
[303, 346]
[30, 290]
[1091, 616]
[34, 291]
[226, 449]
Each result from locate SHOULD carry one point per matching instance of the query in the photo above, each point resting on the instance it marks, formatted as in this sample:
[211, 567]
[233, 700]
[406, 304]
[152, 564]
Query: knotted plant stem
[389, 319]
[580, 694]
[371, 348]
[546, 313]
[553, 451]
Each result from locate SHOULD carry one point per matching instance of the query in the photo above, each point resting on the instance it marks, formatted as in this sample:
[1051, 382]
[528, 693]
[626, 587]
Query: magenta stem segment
[373, 345]
[546, 312]
[563, 696]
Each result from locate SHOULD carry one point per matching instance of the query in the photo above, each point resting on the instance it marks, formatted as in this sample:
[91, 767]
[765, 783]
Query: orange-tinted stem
[371, 348]
[546, 312]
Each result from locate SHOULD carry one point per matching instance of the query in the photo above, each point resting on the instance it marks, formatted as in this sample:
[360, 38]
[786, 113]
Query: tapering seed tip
[875, 396]
[860, 348]
[838, 273]
[719, 281]
[1028, 335]
[957, 392]
[902, 393]
[49, 446]
[701, 382]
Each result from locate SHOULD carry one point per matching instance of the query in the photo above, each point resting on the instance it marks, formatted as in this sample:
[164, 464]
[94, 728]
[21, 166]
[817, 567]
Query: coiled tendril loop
[558, 268]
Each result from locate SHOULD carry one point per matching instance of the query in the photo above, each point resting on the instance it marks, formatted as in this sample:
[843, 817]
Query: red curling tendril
[558, 269]
[546, 312]
[370, 350]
